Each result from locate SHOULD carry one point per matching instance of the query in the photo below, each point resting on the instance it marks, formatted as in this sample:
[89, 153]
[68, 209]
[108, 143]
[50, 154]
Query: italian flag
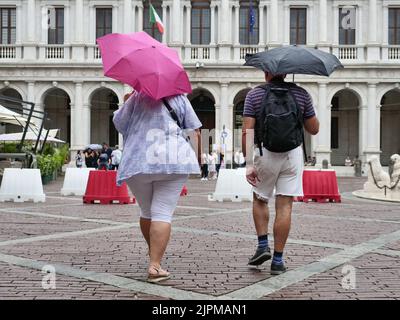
[154, 18]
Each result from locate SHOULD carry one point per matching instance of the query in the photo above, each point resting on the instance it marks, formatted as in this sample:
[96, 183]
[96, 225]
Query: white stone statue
[380, 184]
[396, 172]
[376, 171]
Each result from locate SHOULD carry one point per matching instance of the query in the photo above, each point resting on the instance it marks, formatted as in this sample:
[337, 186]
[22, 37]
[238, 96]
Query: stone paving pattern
[207, 256]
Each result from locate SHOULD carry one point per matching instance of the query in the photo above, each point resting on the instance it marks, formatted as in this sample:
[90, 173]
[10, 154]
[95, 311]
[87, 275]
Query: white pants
[280, 171]
[157, 194]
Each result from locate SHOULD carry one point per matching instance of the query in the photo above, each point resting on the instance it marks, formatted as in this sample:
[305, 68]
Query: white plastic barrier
[75, 181]
[232, 185]
[20, 185]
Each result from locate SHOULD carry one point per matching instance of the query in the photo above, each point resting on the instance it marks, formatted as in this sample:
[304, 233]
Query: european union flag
[252, 18]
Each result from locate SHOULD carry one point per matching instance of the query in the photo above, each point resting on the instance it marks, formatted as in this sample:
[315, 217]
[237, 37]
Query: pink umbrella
[144, 63]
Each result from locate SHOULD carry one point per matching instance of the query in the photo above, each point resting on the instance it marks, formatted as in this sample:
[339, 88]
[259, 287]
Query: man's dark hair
[278, 77]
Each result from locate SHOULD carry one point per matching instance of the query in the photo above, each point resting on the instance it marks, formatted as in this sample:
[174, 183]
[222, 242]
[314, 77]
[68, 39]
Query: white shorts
[280, 171]
[157, 194]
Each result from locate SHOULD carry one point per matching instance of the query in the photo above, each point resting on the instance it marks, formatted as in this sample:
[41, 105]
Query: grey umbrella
[293, 59]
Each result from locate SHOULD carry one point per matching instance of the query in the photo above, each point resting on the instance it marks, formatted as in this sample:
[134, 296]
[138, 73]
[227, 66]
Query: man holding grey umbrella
[274, 117]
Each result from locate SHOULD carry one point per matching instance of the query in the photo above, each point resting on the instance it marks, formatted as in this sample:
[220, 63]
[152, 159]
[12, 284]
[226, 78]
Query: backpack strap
[301, 123]
[174, 116]
[172, 112]
[304, 148]
[267, 88]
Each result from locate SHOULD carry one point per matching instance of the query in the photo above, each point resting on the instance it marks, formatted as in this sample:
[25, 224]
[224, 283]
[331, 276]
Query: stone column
[372, 22]
[385, 25]
[79, 20]
[31, 92]
[362, 132]
[373, 47]
[114, 15]
[261, 41]
[38, 107]
[212, 24]
[223, 17]
[30, 46]
[127, 16]
[286, 28]
[19, 26]
[43, 31]
[188, 24]
[140, 17]
[323, 21]
[323, 139]
[164, 19]
[378, 128]
[373, 128]
[86, 125]
[323, 26]
[236, 26]
[273, 24]
[67, 30]
[92, 25]
[76, 116]
[78, 47]
[176, 32]
[224, 31]
[31, 24]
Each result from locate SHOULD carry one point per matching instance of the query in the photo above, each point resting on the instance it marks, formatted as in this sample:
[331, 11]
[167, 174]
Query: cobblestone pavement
[98, 252]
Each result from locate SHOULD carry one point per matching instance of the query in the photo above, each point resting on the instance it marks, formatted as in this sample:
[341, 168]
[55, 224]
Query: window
[394, 26]
[56, 34]
[347, 31]
[298, 25]
[152, 29]
[201, 30]
[335, 133]
[103, 21]
[248, 22]
[7, 25]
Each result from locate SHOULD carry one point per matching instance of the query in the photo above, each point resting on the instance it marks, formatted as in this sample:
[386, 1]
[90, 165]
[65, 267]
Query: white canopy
[31, 136]
[11, 117]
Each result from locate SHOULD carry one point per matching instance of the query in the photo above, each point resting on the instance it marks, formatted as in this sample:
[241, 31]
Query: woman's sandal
[161, 275]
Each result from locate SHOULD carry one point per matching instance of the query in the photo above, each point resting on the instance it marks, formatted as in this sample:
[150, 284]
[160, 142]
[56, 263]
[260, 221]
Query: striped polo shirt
[255, 96]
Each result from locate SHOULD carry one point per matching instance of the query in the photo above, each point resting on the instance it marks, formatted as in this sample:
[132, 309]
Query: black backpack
[279, 122]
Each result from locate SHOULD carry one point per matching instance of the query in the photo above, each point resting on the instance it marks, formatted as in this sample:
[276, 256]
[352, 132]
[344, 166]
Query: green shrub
[9, 147]
[48, 149]
[53, 160]
[47, 164]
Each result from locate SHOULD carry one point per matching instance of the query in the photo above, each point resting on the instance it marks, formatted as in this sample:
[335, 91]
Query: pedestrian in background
[115, 158]
[212, 166]
[79, 159]
[103, 162]
[88, 160]
[204, 167]
[106, 149]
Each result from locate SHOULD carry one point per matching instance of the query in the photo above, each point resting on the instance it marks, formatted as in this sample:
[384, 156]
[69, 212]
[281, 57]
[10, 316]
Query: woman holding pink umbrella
[157, 157]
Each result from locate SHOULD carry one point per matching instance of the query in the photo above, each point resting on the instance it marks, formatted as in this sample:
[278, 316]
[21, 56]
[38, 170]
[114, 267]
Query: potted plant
[47, 165]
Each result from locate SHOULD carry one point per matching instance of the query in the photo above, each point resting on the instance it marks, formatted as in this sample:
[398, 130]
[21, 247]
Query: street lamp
[224, 135]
